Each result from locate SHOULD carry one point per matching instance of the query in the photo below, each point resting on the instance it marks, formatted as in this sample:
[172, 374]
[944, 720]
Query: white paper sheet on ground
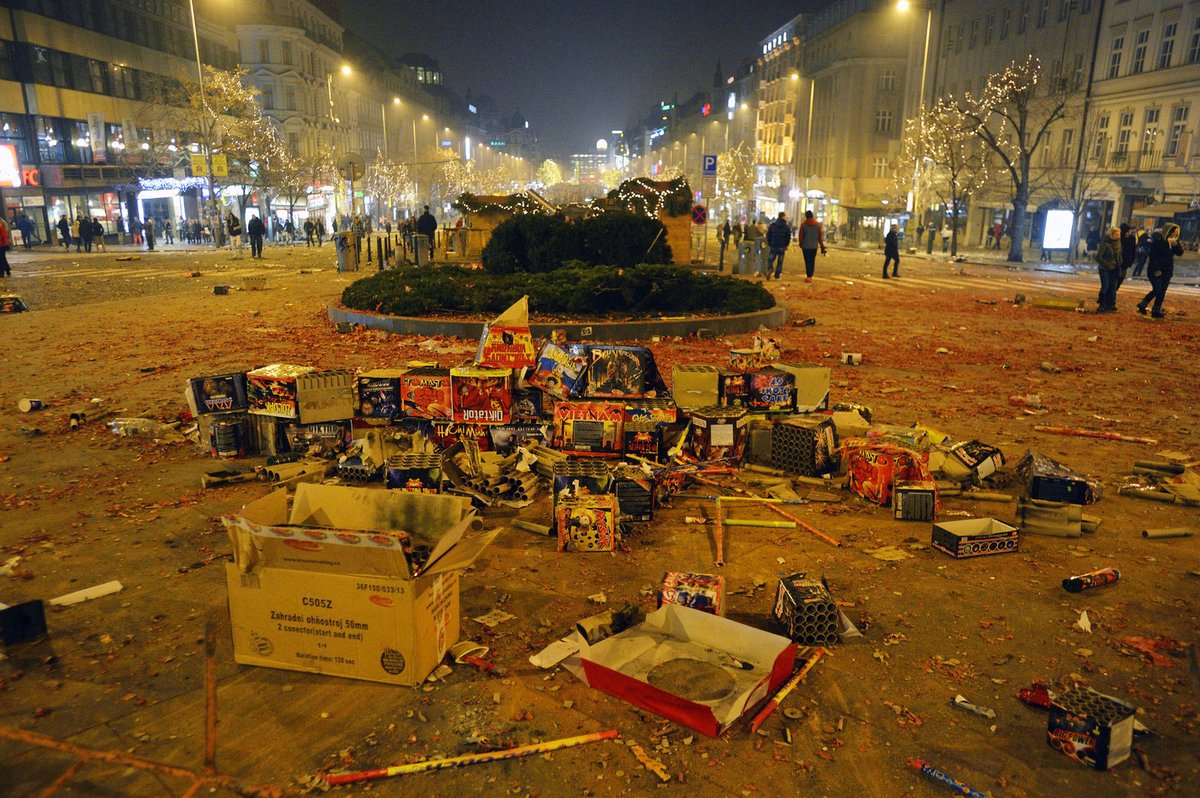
[88, 593]
[846, 627]
[557, 651]
[1084, 623]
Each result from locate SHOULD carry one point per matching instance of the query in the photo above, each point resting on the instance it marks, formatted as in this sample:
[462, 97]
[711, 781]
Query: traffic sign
[351, 166]
[699, 214]
[708, 166]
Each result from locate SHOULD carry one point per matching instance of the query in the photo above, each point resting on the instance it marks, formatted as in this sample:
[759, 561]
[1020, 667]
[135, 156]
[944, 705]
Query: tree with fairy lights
[735, 177]
[388, 181]
[1012, 116]
[953, 160]
[549, 174]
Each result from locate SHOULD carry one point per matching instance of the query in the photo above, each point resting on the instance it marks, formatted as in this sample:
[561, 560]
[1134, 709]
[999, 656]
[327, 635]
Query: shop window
[8, 67]
[51, 147]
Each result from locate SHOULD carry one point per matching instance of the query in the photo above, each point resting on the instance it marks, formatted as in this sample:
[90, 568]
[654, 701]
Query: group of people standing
[775, 238]
[1124, 248]
[82, 231]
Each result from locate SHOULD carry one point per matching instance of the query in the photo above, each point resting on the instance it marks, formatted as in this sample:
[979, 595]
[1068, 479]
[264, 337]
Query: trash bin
[345, 243]
[747, 262]
[421, 249]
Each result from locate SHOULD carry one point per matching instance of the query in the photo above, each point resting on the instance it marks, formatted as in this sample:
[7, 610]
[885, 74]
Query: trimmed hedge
[642, 290]
[536, 243]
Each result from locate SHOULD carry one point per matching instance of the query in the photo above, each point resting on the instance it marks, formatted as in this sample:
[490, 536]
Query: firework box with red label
[657, 411]
[481, 396]
[328, 587]
[271, 390]
[589, 428]
[772, 390]
[425, 393]
[379, 393]
[1093, 729]
[873, 466]
[719, 433]
[697, 669]
[586, 523]
[975, 537]
[219, 393]
[733, 388]
[620, 372]
[507, 341]
[560, 371]
[704, 592]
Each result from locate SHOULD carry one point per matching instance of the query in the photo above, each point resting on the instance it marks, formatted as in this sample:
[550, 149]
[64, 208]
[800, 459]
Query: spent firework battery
[271, 390]
[589, 428]
[695, 385]
[560, 371]
[634, 489]
[975, 537]
[733, 388]
[580, 478]
[379, 393]
[914, 500]
[415, 473]
[772, 390]
[620, 372]
[983, 460]
[528, 405]
[644, 439]
[745, 359]
[657, 411]
[1093, 729]
[805, 445]
[1050, 480]
[481, 395]
[719, 433]
[704, 592]
[1099, 578]
[219, 393]
[805, 609]
[586, 523]
[228, 435]
[506, 438]
[425, 393]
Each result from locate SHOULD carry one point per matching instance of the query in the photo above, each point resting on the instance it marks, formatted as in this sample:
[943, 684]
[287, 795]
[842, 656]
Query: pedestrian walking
[98, 235]
[427, 226]
[167, 228]
[26, 226]
[256, 230]
[308, 228]
[5, 246]
[1128, 245]
[891, 251]
[1108, 259]
[736, 231]
[86, 232]
[64, 231]
[1164, 246]
[289, 227]
[779, 236]
[723, 233]
[233, 226]
[1141, 252]
[320, 230]
[148, 233]
[946, 234]
[997, 234]
[812, 238]
[76, 233]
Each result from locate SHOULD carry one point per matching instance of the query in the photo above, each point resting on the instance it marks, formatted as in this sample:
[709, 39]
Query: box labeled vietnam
[219, 393]
[975, 537]
[1093, 729]
[481, 396]
[339, 595]
[379, 393]
[595, 428]
[689, 666]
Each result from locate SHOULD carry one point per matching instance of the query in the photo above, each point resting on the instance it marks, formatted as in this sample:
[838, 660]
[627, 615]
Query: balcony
[1121, 161]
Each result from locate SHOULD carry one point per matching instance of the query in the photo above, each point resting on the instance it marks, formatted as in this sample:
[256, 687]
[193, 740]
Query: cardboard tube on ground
[1169, 532]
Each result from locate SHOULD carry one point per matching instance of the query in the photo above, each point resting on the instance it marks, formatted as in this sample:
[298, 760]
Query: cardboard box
[379, 393]
[733, 388]
[634, 489]
[219, 393]
[772, 390]
[586, 523]
[418, 473]
[620, 372]
[975, 537]
[528, 406]
[505, 439]
[580, 478]
[812, 385]
[425, 393]
[703, 592]
[1093, 729]
[719, 433]
[873, 466]
[805, 445]
[805, 610]
[506, 341]
[644, 439]
[595, 428]
[560, 371]
[271, 390]
[686, 666]
[695, 386]
[1049, 480]
[481, 396]
[980, 459]
[325, 396]
[914, 501]
[656, 411]
[745, 359]
[340, 597]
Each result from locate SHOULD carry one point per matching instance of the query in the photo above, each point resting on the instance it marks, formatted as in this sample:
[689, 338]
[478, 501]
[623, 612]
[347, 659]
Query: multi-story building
[778, 98]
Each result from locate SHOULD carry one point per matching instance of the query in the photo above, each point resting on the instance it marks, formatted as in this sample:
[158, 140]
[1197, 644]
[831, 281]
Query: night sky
[575, 70]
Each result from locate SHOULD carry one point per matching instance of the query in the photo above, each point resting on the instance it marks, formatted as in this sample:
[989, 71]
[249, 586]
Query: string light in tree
[652, 197]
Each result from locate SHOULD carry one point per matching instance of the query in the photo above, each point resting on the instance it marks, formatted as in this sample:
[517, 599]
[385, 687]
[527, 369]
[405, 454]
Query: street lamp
[903, 6]
[205, 134]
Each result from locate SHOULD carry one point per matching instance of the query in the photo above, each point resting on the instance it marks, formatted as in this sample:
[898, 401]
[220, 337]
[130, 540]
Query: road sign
[708, 166]
[699, 214]
[351, 166]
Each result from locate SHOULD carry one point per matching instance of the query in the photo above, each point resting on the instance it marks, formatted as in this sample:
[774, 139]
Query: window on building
[1194, 45]
[1065, 149]
[285, 51]
[1043, 13]
[1167, 48]
[51, 147]
[289, 98]
[1047, 149]
[1114, 60]
[1150, 134]
[1023, 22]
[1005, 16]
[13, 131]
[267, 96]
[123, 83]
[1077, 73]
[264, 51]
[887, 80]
[879, 167]
[971, 42]
[1176, 140]
[883, 121]
[989, 25]
[1139, 53]
[1064, 10]
[1101, 148]
[1124, 133]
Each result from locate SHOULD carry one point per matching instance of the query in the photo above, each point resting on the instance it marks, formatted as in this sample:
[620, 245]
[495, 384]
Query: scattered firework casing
[981, 459]
[851, 358]
[416, 473]
[560, 370]
[644, 438]
[586, 523]
[772, 390]
[228, 435]
[975, 537]
[1050, 480]
[589, 428]
[914, 501]
[745, 359]
[481, 396]
[219, 393]
[634, 489]
[271, 390]
[620, 372]
[733, 388]
[379, 393]
[704, 592]
[658, 411]
[425, 393]
[806, 611]
[805, 445]
[1093, 729]
[1099, 578]
[719, 433]
[695, 386]
[581, 478]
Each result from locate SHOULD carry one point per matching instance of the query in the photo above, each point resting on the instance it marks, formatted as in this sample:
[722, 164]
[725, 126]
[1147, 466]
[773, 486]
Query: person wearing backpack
[1141, 252]
[1108, 259]
[1164, 248]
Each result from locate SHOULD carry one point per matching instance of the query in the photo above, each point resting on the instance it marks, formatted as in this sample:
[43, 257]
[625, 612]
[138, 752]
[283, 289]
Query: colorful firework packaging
[805, 609]
[719, 433]
[507, 341]
[219, 393]
[416, 473]
[586, 523]
[733, 388]
[621, 372]
[481, 396]
[772, 390]
[594, 428]
[975, 537]
[379, 393]
[425, 393]
[874, 466]
[272, 390]
[559, 370]
[1098, 578]
[704, 592]
[1093, 729]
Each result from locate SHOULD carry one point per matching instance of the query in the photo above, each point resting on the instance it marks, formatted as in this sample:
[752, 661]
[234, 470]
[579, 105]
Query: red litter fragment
[1150, 646]
[1035, 695]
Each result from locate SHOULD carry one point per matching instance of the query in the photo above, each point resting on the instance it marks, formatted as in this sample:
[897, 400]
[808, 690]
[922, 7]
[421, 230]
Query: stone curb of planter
[701, 326]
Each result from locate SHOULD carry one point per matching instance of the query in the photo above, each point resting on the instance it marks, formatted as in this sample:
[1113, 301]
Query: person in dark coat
[779, 236]
[427, 226]
[256, 230]
[86, 233]
[1108, 260]
[64, 231]
[1164, 246]
[1128, 252]
[891, 251]
[1141, 251]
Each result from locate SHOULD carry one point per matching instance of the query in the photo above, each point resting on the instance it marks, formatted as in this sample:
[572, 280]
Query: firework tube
[1170, 532]
[1088, 433]
[930, 772]
[805, 526]
[1104, 576]
[469, 759]
[719, 532]
[783, 692]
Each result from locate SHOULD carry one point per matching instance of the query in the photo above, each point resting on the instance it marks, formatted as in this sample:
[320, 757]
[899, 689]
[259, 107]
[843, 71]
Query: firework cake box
[560, 371]
[327, 587]
[688, 666]
[507, 341]
[586, 523]
[425, 393]
[218, 393]
[771, 390]
[703, 592]
[379, 393]
[1092, 728]
[271, 390]
[975, 537]
[481, 396]
[620, 372]
[589, 428]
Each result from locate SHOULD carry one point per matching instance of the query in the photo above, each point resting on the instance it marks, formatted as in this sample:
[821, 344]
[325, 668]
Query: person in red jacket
[5, 246]
[812, 238]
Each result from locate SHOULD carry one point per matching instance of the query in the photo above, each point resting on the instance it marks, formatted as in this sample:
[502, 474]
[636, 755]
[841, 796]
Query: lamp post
[903, 5]
[205, 135]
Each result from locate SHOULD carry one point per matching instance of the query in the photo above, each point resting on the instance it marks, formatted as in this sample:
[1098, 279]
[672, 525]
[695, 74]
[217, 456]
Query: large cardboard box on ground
[339, 595]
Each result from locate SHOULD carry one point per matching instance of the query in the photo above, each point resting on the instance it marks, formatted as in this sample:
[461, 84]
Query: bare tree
[1072, 189]
[1012, 116]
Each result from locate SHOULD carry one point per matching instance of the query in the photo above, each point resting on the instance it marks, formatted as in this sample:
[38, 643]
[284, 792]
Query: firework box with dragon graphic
[327, 587]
